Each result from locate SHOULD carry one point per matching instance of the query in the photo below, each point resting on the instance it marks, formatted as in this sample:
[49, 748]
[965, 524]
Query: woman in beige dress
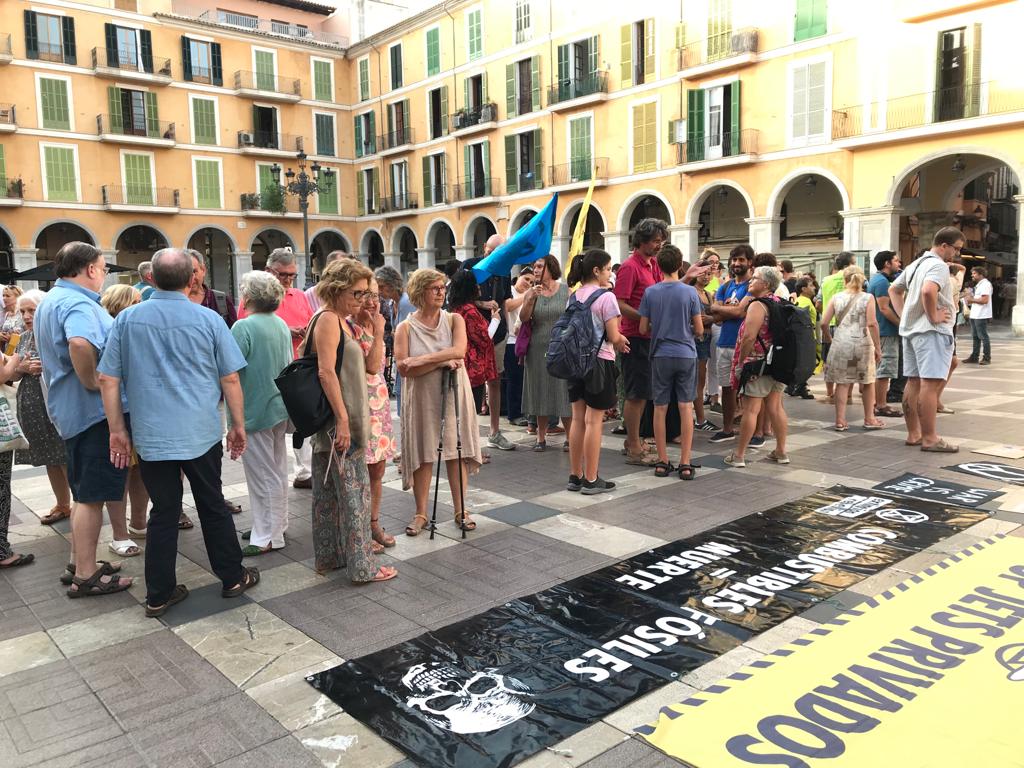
[428, 342]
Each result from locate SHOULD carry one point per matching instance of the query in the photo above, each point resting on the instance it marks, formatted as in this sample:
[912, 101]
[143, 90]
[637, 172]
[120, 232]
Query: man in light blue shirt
[71, 330]
[175, 359]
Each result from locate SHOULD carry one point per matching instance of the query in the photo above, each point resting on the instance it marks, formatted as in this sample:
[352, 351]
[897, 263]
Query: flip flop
[384, 573]
[870, 427]
[57, 514]
[841, 427]
[941, 447]
[912, 443]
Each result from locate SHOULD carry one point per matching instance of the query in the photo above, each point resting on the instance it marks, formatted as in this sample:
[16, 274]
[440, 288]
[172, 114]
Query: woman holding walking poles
[428, 343]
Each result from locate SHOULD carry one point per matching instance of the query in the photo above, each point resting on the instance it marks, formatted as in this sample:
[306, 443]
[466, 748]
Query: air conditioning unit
[487, 113]
[744, 42]
[457, 119]
[677, 132]
[245, 139]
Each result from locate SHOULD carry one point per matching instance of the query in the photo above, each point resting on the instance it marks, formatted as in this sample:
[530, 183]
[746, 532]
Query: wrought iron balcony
[481, 116]
[270, 140]
[268, 204]
[127, 63]
[579, 171]
[438, 195]
[568, 90]
[116, 128]
[736, 44]
[398, 202]
[295, 32]
[130, 195]
[930, 108]
[13, 189]
[475, 188]
[392, 141]
[526, 182]
[711, 148]
[263, 85]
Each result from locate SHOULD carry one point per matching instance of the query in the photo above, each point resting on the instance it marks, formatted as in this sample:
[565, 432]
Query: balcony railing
[254, 202]
[51, 52]
[526, 182]
[438, 195]
[726, 45]
[150, 129]
[471, 189]
[395, 139]
[399, 202]
[8, 114]
[129, 60]
[566, 90]
[254, 24]
[123, 194]
[283, 142]
[926, 109]
[261, 81]
[729, 144]
[467, 118]
[14, 189]
[580, 171]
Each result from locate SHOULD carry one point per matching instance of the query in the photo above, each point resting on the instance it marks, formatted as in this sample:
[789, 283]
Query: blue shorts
[927, 355]
[674, 373]
[93, 479]
[704, 348]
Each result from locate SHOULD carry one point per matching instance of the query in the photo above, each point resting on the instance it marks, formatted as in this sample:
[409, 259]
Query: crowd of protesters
[675, 339]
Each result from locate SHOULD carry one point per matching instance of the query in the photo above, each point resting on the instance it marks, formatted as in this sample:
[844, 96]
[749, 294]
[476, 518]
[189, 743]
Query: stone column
[1017, 319]
[241, 262]
[363, 257]
[764, 233]
[300, 267]
[24, 260]
[110, 256]
[684, 237]
[393, 260]
[872, 230]
[617, 245]
[463, 252]
[426, 258]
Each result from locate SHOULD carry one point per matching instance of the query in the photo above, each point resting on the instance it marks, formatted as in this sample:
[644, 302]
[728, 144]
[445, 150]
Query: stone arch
[974, 175]
[399, 233]
[788, 181]
[631, 203]
[900, 179]
[323, 241]
[126, 227]
[471, 232]
[6, 232]
[57, 222]
[371, 244]
[330, 231]
[444, 250]
[221, 230]
[521, 218]
[564, 227]
[218, 256]
[264, 230]
[129, 256]
[702, 194]
[364, 239]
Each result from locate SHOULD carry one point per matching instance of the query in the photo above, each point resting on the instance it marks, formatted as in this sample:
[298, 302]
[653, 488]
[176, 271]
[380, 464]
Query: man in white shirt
[923, 298]
[980, 302]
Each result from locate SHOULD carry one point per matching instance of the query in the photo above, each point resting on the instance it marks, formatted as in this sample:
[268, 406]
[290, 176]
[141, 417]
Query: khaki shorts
[889, 367]
[499, 355]
[762, 386]
[723, 365]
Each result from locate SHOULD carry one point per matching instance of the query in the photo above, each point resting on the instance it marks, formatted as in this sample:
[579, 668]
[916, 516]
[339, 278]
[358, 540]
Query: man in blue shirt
[175, 359]
[887, 266]
[71, 330]
[729, 309]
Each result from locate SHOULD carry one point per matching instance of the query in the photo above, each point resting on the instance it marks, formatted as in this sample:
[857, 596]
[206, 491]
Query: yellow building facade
[802, 126]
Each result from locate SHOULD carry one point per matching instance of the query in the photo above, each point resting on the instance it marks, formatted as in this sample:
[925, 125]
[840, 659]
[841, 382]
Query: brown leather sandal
[380, 535]
[415, 528]
[58, 513]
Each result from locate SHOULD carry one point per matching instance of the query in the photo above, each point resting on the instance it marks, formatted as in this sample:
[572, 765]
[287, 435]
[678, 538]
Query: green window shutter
[204, 128]
[116, 124]
[138, 180]
[110, 38]
[802, 25]
[390, 114]
[511, 174]
[650, 52]
[734, 117]
[396, 67]
[433, 52]
[485, 153]
[216, 65]
[467, 180]
[444, 110]
[476, 46]
[325, 135]
[694, 125]
[186, 58]
[152, 116]
[264, 70]
[322, 90]
[3, 173]
[372, 128]
[67, 33]
[60, 174]
[538, 160]
[360, 194]
[265, 178]
[483, 87]
[55, 104]
[364, 79]
[579, 149]
[465, 93]
[31, 36]
[405, 121]
[359, 135]
[207, 183]
[375, 173]
[146, 50]
[427, 196]
[593, 51]
[510, 90]
[535, 83]
[327, 196]
[626, 35]
[563, 72]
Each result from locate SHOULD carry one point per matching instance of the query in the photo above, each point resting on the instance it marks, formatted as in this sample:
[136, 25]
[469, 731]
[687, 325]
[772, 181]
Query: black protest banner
[919, 487]
[494, 689]
[1003, 473]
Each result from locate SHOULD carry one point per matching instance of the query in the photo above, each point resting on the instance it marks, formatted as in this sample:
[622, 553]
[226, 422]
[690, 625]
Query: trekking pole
[440, 446]
[454, 383]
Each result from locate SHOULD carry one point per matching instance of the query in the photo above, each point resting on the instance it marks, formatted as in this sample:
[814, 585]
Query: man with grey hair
[145, 285]
[311, 297]
[145, 350]
[294, 309]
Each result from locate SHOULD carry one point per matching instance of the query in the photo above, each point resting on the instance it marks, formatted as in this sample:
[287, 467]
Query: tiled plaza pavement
[221, 682]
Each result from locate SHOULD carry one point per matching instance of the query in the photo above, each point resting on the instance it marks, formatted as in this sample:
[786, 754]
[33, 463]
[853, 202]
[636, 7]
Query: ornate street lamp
[302, 185]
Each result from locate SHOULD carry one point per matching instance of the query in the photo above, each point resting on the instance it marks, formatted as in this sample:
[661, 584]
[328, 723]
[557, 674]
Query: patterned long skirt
[341, 516]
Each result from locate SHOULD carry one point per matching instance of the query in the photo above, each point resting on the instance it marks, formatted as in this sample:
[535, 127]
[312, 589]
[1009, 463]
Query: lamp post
[302, 185]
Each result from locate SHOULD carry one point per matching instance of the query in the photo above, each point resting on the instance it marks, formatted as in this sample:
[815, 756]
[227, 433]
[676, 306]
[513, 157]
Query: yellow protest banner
[931, 673]
[576, 244]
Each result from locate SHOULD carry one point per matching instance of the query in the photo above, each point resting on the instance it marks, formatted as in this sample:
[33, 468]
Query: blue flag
[528, 244]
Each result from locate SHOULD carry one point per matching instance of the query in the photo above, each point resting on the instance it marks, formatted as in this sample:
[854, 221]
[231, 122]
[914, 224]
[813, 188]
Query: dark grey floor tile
[203, 602]
[118, 752]
[17, 621]
[286, 753]
[521, 512]
[633, 754]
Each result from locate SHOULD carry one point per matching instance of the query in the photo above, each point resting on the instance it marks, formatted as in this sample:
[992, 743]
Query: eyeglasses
[438, 290]
[360, 295]
[285, 275]
[370, 296]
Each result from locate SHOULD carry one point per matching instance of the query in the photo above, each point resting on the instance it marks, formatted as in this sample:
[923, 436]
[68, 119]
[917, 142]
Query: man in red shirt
[296, 313]
[636, 275]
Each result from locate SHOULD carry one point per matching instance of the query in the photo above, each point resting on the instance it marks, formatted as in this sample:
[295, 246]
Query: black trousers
[163, 481]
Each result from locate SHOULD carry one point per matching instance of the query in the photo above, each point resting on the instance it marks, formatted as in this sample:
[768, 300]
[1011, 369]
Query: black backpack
[793, 354]
[575, 340]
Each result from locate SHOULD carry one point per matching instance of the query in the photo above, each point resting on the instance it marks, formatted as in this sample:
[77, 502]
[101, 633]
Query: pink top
[604, 309]
[294, 310]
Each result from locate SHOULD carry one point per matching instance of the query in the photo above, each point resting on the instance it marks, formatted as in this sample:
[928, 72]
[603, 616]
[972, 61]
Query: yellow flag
[576, 244]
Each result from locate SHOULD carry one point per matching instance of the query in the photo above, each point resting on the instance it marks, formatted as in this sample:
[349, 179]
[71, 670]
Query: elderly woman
[266, 344]
[856, 347]
[429, 343]
[341, 483]
[8, 557]
[11, 317]
[381, 442]
[758, 388]
[544, 395]
[46, 449]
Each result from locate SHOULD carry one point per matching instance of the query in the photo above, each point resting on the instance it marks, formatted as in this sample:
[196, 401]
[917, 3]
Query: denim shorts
[93, 479]
[704, 349]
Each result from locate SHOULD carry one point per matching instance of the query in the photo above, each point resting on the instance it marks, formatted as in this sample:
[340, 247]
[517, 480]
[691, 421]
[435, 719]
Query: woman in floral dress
[380, 445]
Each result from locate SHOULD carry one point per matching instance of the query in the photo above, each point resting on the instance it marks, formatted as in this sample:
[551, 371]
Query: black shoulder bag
[299, 385]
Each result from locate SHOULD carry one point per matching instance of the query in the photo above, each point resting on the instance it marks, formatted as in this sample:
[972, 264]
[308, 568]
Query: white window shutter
[816, 86]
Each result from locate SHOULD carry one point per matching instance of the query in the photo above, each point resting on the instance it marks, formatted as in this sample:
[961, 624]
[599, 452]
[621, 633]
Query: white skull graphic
[451, 698]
